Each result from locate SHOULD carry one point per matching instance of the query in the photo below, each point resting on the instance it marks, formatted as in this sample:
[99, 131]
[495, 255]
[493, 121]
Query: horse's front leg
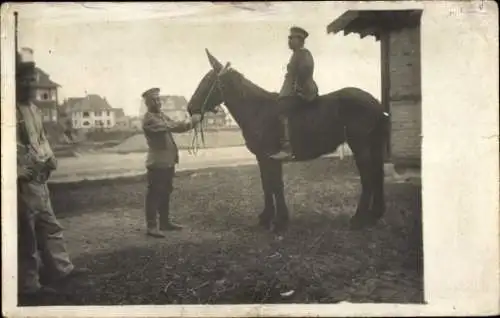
[267, 215]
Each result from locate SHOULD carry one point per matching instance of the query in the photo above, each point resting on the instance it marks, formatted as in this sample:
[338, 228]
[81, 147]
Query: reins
[195, 145]
[195, 142]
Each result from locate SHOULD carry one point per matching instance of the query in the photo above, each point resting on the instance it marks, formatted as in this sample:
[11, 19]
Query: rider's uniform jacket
[299, 77]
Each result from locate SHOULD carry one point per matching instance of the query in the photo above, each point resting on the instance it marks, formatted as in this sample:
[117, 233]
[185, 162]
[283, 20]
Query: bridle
[195, 144]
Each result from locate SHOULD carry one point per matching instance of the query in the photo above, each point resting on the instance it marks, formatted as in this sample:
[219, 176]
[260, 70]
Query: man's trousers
[160, 186]
[39, 231]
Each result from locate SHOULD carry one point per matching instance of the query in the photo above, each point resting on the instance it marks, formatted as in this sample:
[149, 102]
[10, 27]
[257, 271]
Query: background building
[216, 119]
[122, 122]
[174, 106]
[92, 112]
[44, 95]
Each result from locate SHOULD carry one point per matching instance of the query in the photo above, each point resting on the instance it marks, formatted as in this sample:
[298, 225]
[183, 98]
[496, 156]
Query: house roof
[119, 112]
[69, 103]
[373, 22]
[172, 102]
[43, 80]
[91, 102]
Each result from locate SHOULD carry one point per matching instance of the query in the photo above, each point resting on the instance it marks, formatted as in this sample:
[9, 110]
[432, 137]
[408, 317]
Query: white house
[91, 112]
[174, 106]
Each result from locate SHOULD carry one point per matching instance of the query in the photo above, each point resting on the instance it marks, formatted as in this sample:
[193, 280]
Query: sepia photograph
[228, 153]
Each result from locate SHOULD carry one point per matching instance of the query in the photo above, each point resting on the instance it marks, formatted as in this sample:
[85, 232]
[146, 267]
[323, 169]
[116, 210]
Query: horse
[348, 115]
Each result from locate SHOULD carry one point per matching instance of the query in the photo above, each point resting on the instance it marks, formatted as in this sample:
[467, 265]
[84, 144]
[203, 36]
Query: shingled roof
[119, 112]
[68, 104]
[43, 80]
[373, 22]
[91, 102]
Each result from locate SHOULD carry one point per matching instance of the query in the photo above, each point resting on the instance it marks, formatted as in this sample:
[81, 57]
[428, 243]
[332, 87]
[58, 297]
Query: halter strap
[194, 143]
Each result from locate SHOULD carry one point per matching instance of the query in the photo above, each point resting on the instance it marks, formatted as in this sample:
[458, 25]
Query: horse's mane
[255, 89]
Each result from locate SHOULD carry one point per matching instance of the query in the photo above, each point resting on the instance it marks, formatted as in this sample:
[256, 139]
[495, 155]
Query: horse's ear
[216, 65]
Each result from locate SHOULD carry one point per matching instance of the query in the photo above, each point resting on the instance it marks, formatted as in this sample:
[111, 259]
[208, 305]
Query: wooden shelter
[399, 34]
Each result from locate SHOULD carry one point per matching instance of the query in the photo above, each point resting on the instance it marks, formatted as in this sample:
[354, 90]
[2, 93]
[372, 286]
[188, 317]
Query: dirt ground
[222, 257]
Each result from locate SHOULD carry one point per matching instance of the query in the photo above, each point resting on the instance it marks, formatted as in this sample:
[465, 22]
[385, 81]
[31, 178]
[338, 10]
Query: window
[86, 123]
[45, 96]
[85, 114]
[98, 113]
[109, 122]
[108, 113]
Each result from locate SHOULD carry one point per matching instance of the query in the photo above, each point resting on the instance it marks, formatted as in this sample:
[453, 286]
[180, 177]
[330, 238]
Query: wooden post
[386, 83]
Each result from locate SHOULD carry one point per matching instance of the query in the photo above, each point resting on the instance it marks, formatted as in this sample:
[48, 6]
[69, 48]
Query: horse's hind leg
[377, 151]
[362, 156]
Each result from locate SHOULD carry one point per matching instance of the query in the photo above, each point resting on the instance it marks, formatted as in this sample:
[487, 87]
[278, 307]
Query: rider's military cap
[299, 32]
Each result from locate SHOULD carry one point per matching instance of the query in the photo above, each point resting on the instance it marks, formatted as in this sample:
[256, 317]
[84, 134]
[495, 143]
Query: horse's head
[209, 93]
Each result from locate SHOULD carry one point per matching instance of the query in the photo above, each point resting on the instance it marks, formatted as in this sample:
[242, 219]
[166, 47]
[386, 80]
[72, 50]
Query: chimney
[26, 55]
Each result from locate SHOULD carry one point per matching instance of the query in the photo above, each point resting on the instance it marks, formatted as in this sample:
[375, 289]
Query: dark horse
[347, 115]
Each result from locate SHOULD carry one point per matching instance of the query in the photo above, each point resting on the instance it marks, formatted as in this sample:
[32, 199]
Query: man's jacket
[299, 77]
[33, 148]
[158, 129]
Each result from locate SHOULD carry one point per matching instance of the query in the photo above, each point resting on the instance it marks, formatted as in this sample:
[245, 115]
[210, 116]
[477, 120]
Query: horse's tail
[379, 140]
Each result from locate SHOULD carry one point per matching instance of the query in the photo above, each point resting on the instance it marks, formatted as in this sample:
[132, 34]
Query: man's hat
[299, 32]
[25, 65]
[151, 92]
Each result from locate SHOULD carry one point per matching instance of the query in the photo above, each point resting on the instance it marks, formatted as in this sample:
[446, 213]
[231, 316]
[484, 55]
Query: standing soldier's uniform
[162, 157]
[298, 87]
[39, 229]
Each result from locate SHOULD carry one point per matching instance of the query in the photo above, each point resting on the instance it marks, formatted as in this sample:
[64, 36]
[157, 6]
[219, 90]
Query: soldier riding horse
[347, 115]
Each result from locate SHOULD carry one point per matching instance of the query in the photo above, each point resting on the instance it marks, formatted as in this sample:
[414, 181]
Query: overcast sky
[120, 50]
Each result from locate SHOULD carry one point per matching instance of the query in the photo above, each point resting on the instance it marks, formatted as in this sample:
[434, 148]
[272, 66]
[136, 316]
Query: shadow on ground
[226, 259]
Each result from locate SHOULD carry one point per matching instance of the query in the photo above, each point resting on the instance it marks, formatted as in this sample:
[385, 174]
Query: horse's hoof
[357, 223]
[355, 226]
[266, 224]
[279, 228]
[360, 223]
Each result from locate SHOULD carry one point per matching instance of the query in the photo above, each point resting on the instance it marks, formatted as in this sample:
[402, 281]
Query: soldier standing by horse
[162, 157]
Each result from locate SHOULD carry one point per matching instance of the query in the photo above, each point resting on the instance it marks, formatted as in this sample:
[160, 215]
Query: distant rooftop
[43, 80]
[91, 102]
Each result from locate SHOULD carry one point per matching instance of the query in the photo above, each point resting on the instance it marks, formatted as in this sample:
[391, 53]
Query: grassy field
[222, 257]
[213, 139]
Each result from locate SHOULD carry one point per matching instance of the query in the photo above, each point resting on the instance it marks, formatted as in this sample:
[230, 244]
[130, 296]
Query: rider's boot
[285, 152]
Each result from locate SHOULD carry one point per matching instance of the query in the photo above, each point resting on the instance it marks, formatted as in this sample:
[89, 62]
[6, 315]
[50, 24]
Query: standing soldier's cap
[151, 92]
[298, 32]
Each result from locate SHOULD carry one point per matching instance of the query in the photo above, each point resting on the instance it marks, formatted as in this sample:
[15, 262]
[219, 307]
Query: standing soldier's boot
[285, 152]
[153, 197]
[165, 223]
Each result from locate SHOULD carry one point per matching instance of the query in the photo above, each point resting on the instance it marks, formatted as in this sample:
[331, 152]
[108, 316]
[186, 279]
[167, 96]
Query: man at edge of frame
[44, 262]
